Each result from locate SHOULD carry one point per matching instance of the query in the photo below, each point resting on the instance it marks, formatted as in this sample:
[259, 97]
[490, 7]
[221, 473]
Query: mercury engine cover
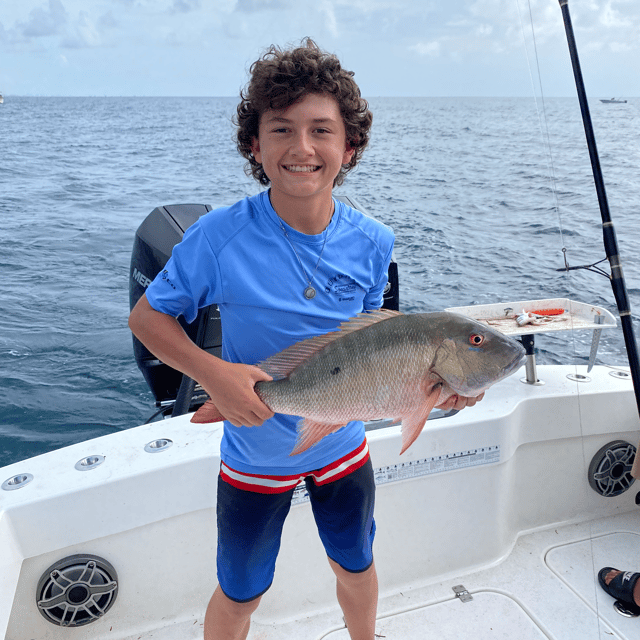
[161, 230]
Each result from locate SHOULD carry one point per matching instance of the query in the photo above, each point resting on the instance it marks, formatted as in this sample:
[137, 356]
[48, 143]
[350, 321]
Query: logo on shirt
[342, 286]
[165, 277]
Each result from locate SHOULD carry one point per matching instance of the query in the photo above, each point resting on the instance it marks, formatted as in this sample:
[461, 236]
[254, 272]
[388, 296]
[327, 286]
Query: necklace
[309, 292]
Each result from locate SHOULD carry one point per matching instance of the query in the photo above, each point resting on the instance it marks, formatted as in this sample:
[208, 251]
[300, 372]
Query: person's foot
[625, 588]
[611, 575]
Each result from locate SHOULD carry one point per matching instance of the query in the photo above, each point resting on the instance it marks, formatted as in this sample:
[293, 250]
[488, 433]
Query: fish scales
[358, 376]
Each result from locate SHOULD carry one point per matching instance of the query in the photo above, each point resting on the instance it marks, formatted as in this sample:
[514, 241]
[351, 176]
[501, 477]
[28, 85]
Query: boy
[282, 266]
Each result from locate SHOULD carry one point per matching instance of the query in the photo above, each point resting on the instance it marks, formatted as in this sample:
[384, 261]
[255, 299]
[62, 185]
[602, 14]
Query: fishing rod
[608, 232]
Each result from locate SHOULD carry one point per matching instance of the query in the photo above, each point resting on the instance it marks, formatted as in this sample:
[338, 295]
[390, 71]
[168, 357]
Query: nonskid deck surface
[545, 589]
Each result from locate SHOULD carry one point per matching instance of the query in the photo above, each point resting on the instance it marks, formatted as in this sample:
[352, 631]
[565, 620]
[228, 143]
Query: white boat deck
[495, 498]
[546, 588]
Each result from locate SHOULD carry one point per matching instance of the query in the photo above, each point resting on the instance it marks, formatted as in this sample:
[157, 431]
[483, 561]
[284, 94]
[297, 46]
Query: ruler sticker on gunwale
[422, 467]
[437, 464]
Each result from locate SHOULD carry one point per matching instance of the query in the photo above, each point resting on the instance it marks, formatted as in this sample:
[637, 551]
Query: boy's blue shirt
[238, 258]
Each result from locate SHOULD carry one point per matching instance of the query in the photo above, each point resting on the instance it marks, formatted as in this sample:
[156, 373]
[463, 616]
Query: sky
[395, 47]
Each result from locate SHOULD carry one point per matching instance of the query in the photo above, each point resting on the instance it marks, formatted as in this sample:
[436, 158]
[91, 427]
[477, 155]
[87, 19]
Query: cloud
[390, 40]
[610, 18]
[108, 21]
[498, 27]
[185, 6]
[331, 22]
[45, 21]
[66, 29]
[82, 34]
[426, 48]
[253, 6]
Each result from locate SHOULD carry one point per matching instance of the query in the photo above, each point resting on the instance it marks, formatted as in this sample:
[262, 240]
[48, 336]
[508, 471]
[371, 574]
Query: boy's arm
[229, 385]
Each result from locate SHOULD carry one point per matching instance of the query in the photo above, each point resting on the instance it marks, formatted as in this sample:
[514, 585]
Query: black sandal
[621, 587]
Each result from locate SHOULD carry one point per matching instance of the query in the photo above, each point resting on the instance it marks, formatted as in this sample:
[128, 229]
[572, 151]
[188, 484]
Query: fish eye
[476, 339]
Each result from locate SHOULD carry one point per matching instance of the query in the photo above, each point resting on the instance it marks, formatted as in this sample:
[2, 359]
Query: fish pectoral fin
[413, 424]
[310, 432]
[208, 412]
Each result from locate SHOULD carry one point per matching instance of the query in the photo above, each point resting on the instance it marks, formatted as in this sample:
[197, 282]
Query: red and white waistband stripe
[281, 484]
[342, 467]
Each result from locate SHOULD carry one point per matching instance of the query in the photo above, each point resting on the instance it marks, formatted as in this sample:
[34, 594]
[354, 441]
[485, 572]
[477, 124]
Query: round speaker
[610, 469]
[77, 590]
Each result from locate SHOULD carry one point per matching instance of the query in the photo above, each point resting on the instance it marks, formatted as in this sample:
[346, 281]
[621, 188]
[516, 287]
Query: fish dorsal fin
[282, 364]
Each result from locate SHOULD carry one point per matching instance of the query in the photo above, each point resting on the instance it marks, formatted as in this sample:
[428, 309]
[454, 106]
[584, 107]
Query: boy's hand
[229, 385]
[232, 391]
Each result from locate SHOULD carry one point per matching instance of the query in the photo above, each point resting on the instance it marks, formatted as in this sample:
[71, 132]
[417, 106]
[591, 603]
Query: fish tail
[208, 412]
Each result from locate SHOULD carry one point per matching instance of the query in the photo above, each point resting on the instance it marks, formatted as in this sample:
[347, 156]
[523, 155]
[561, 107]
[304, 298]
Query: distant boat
[613, 101]
[1, 99]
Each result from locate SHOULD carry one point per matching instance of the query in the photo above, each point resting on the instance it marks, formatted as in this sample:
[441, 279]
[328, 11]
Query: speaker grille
[77, 590]
[610, 468]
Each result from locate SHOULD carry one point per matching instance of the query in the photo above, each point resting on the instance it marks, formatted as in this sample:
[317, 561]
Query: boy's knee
[353, 579]
[236, 609]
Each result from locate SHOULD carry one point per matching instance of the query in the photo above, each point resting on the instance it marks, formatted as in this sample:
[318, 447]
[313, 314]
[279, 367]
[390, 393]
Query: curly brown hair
[279, 78]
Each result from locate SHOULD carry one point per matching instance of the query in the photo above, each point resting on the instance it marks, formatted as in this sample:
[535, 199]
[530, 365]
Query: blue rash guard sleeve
[189, 280]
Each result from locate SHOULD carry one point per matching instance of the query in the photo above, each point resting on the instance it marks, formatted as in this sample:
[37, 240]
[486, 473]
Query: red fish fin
[311, 432]
[282, 364]
[208, 412]
[413, 424]
[366, 319]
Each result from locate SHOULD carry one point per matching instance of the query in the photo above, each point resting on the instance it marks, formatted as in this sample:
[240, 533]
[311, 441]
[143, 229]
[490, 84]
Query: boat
[612, 101]
[1, 99]
[493, 524]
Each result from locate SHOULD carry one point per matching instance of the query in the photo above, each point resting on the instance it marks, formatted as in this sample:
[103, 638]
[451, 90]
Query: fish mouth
[516, 364]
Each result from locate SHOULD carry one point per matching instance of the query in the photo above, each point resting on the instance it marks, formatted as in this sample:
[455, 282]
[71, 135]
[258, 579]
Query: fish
[381, 364]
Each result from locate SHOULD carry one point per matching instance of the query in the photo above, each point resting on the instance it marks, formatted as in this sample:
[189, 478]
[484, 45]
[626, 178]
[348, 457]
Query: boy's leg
[249, 532]
[226, 619]
[358, 598]
[343, 510]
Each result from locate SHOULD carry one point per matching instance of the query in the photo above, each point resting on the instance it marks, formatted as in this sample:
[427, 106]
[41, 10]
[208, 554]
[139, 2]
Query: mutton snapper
[382, 364]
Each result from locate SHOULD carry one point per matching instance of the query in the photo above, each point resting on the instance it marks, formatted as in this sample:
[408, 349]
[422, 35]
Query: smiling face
[302, 149]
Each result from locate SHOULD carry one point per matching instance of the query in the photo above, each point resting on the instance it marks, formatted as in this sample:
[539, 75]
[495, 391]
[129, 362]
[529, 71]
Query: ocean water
[483, 195]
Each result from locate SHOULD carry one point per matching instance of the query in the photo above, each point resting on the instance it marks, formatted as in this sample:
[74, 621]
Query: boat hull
[455, 503]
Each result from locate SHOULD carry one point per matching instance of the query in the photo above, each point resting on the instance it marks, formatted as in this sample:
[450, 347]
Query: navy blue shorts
[250, 525]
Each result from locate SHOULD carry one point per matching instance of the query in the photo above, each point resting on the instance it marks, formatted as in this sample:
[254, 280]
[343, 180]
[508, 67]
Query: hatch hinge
[462, 593]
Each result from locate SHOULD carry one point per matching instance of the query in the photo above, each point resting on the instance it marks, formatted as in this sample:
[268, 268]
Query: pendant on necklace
[309, 293]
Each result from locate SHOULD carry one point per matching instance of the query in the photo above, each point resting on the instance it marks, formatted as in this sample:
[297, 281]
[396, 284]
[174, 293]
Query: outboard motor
[161, 230]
